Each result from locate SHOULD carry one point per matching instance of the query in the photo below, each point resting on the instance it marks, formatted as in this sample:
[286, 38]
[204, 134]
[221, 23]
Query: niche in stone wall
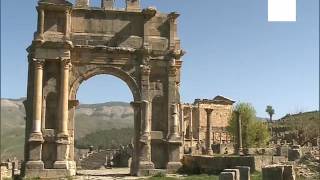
[51, 111]
[158, 115]
[50, 93]
[49, 154]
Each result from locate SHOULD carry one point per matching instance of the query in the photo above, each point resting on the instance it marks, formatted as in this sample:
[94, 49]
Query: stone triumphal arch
[75, 42]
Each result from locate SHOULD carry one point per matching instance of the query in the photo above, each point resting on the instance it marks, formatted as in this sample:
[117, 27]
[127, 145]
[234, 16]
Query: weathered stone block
[236, 173]
[272, 172]
[244, 172]
[227, 176]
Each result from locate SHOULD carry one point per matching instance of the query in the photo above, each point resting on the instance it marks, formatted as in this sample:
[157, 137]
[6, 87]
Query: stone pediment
[221, 99]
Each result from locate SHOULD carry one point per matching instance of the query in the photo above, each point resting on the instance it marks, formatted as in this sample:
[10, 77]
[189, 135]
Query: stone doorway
[75, 42]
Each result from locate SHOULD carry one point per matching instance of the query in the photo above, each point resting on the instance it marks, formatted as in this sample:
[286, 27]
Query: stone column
[62, 138]
[199, 126]
[145, 163]
[36, 139]
[40, 23]
[209, 132]
[137, 116]
[182, 122]
[67, 24]
[173, 28]
[191, 127]
[172, 134]
[173, 139]
[37, 96]
[173, 127]
[239, 133]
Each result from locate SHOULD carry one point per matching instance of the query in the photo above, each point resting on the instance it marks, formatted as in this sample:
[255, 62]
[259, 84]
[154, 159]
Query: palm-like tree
[270, 111]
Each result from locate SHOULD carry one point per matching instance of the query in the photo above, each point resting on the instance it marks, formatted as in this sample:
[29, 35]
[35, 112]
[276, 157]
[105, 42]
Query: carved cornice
[145, 69]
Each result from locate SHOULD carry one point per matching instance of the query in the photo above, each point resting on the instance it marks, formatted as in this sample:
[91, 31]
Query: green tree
[270, 111]
[254, 132]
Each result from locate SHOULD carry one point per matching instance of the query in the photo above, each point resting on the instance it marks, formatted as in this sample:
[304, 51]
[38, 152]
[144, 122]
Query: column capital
[66, 62]
[208, 110]
[38, 62]
[173, 16]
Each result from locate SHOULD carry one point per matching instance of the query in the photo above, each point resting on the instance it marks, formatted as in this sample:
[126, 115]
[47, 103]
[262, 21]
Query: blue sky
[231, 50]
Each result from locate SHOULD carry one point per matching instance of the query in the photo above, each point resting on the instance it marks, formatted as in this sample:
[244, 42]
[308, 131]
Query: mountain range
[89, 118]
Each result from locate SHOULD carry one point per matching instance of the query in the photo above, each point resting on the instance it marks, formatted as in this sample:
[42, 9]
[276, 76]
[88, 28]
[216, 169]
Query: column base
[145, 168]
[37, 165]
[36, 137]
[61, 165]
[173, 167]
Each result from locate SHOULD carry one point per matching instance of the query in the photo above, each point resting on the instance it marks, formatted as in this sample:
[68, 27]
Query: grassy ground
[254, 176]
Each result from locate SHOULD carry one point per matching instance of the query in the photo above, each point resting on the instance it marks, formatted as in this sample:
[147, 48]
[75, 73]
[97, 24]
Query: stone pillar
[173, 127]
[36, 139]
[239, 133]
[107, 4]
[172, 135]
[62, 138]
[199, 127]
[37, 96]
[209, 132]
[40, 23]
[182, 122]
[82, 3]
[145, 163]
[67, 24]
[173, 29]
[191, 127]
[174, 141]
[133, 5]
[137, 116]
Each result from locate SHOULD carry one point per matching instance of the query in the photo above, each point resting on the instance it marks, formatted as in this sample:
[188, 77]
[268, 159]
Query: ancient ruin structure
[204, 123]
[76, 42]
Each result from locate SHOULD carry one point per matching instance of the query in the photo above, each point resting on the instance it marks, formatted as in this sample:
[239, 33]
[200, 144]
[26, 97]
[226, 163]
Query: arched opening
[103, 124]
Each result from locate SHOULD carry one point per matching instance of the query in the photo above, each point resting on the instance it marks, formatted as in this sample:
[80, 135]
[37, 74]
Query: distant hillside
[302, 127]
[89, 119]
